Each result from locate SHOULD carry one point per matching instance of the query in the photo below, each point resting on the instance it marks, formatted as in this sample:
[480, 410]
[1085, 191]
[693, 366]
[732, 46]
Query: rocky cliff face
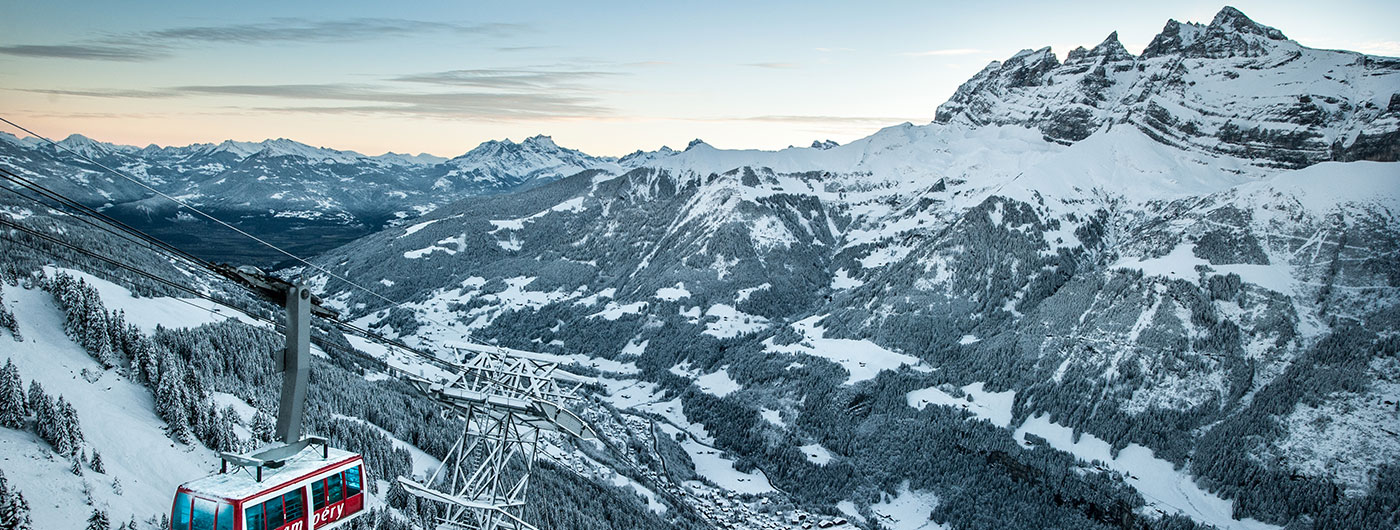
[1232, 87]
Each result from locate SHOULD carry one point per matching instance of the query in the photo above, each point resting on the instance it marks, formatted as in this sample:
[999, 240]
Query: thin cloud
[1384, 48]
[365, 99]
[854, 120]
[512, 49]
[300, 30]
[94, 52]
[944, 52]
[102, 93]
[159, 44]
[509, 79]
[774, 66]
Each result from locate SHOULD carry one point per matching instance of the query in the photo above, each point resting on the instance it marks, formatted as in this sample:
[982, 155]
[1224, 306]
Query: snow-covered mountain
[1170, 265]
[1153, 291]
[1232, 87]
[279, 186]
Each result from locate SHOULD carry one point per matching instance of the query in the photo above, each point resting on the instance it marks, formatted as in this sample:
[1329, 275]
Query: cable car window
[352, 481]
[292, 501]
[274, 512]
[253, 518]
[203, 515]
[225, 519]
[318, 495]
[335, 487]
[180, 516]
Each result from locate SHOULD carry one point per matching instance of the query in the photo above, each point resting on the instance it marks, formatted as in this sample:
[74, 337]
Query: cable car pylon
[506, 400]
[295, 364]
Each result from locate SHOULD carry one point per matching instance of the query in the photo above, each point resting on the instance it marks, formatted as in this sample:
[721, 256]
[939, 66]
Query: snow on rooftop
[240, 484]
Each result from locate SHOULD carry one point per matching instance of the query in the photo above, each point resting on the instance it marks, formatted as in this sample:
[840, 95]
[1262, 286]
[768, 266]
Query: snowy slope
[118, 420]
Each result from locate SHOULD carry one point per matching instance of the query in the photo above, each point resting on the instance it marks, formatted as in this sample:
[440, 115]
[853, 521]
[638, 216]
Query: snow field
[862, 359]
[118, 421]
[1161, 484]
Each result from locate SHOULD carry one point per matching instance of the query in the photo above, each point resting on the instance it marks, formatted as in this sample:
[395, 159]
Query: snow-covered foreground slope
[118, 420]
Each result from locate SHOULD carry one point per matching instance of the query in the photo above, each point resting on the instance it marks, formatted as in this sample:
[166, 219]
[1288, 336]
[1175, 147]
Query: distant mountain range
[280, 189]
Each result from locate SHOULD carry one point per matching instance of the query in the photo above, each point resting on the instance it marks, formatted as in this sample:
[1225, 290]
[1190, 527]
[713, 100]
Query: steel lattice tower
[506, 399]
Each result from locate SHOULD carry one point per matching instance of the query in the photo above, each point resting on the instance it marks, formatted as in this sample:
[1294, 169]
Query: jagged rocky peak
[1110, 50]
[824, 144]
[1028, 67]
[540, 141]
[1230, 34]
[1198, 87]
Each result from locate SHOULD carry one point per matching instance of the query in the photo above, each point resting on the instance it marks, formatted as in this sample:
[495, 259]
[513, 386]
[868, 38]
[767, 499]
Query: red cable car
[331, 479]
[307, 484]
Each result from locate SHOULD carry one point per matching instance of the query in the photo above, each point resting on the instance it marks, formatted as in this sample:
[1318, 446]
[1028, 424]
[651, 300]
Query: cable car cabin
[308, 492]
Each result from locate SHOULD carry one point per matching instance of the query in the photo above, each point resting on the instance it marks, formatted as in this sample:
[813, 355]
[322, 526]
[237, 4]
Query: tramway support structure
[506, 399]
[294, 362]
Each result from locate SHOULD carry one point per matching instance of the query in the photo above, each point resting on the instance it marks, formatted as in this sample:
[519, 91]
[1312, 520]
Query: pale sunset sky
[604, 77]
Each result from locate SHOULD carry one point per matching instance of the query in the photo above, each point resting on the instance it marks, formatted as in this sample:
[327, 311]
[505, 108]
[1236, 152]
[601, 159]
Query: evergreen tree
[171, 407]
[52, 427]
[14, 510]
[36, 398]
[69, 416]
[96, 464]
[263, 427]
[7, 321]
[76, 467]
[96, 336]
[117, 485]
[12, 402]
[98, 521]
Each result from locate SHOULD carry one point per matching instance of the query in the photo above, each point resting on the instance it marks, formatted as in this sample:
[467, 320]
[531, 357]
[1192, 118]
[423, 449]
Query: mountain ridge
[1156, 290]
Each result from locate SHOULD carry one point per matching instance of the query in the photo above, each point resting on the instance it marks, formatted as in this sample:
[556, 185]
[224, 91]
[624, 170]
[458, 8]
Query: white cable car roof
[240, 484]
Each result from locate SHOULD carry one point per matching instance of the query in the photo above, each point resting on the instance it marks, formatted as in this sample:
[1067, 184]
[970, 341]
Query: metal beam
[296, 365]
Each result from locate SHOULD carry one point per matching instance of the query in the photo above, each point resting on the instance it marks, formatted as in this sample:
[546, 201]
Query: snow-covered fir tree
[69, 416]
[35, 399]
[262, 427]
[7, 319]
[96, 463]
[99, 521]
[12, 402]
[14, 510]
[170, 405]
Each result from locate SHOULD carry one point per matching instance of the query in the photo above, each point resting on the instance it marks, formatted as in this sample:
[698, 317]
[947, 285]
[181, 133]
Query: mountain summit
[1228, 88]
